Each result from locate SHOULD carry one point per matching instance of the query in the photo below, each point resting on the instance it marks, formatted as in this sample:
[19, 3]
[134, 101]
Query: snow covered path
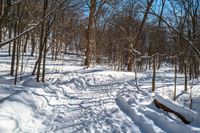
[88, 104]
[74, 99]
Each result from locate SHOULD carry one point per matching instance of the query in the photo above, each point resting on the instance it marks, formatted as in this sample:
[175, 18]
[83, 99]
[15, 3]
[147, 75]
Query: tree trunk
[13, 52]
[40, 53]
[44, 62]
[26, 42]
[185, 72]
[175, 77]
[130, 63]
[45, 51]
[90, 34]
[154, 74]
[41, 47]
[32, 44]
[17, 60]
[9, 35]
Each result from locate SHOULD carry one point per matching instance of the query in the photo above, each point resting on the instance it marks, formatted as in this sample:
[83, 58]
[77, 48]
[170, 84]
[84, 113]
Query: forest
[135, 43]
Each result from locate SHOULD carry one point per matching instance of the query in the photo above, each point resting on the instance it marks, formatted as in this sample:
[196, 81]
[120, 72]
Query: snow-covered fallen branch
[185, 114]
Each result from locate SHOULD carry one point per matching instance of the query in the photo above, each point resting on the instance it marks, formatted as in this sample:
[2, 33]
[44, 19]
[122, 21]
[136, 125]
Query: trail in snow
[90, 105]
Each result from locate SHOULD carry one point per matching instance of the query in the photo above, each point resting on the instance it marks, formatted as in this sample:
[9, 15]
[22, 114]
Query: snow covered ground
[96, 100]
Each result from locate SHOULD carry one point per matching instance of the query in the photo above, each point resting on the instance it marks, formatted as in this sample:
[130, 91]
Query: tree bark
[185, 72]
[90, 34]
[13, 52]
[41, 46]
[175, 77]
[154, 74]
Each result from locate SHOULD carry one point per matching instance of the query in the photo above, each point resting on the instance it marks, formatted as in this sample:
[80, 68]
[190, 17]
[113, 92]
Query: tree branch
[30, 29]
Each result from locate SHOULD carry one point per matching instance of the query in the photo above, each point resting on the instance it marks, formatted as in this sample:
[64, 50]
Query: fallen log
[167, 109]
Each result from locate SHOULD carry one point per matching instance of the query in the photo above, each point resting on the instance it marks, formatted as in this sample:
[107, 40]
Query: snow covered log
[186, 115]
[165, 108]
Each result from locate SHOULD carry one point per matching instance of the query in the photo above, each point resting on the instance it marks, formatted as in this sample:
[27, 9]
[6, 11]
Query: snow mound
[20, 111]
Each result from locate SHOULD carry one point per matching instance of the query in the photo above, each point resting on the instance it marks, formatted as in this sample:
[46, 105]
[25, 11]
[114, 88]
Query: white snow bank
[138, 118]
[19, 111]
